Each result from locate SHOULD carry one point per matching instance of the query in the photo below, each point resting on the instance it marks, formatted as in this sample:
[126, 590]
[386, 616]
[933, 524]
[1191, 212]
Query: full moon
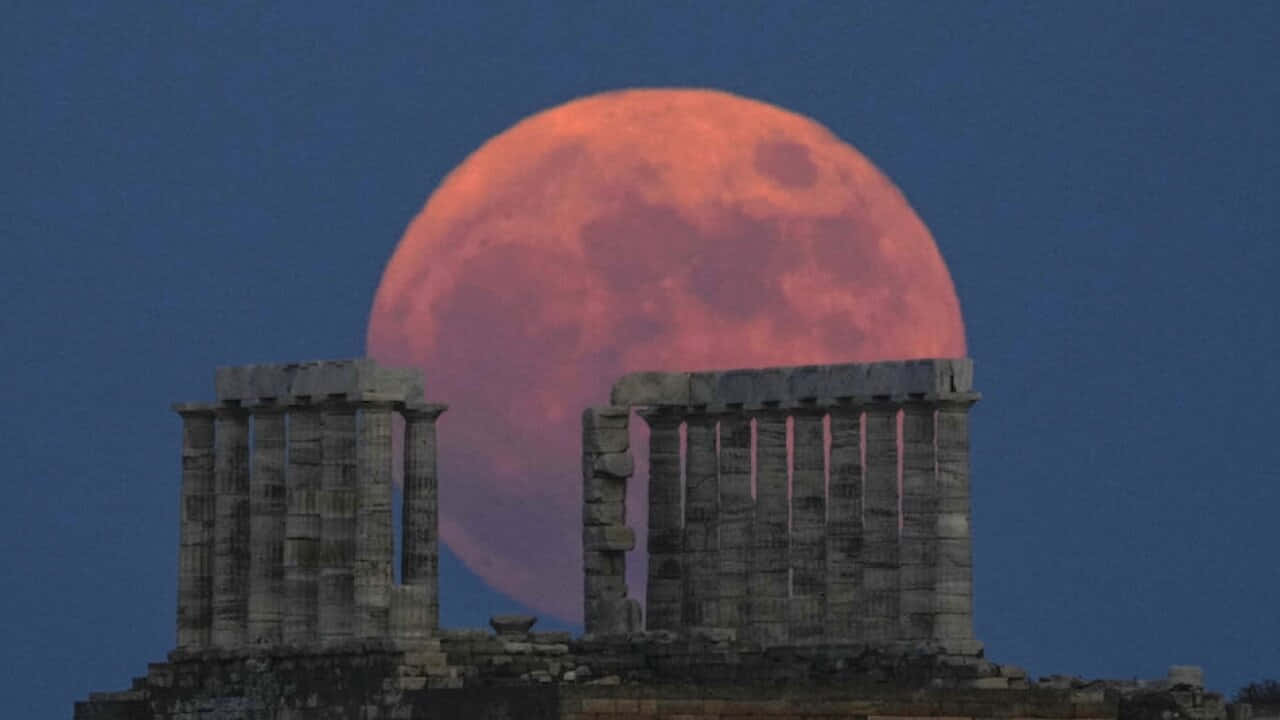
[652, 229]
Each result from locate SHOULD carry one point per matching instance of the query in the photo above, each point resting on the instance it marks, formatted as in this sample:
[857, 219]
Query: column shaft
[337, 505]
[808, 528]
[196, 530]
[373, 575]
[701, 540]
[770, 567]
[953, 580]
[663, 593]
[231, 531]
[844, 526]
[735, 511]
[918, 543]
[606, 465]
[267, 512]
[302, 525]
[880, 525]
[420, 559]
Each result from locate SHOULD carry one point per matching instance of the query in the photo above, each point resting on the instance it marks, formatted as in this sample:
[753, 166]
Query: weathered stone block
[614, 465]
[808, 382]
[605, 440]
[603, 513]
[608, 538]
[603, 490]
[651, 388]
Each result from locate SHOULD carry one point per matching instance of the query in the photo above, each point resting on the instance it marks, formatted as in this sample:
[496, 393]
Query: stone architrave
[770, 567]
[663, 594]
[918, 543]
[302, 525]
[880, 525]
[420, 555]
[699, 608]
[231, 531]
[196, 528]
[953, 579]
[267, 513]
[735, 512]
[337, 505]
[808, 528]
[373, 547]
[844, 526]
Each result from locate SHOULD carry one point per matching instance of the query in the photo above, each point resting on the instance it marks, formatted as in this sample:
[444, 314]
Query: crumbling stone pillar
[606, 465]
[335, 593]
[701, 541]
[231, 529]
[880, 525]
[302, 525]
[735, 511]
[770, 568]
[918, 543]
[420, 544]
[372, 571]
[808, 528]
[844, 526]
[196, 528]
[953, 579]
[267, 526]
[665, 574]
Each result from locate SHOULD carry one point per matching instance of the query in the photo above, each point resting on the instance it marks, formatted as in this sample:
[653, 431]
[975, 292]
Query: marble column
[808, 528]
[373, 574]
[699, 608]
[302, 524]
[918, 543]
[196, 528]
[420, 533]
[735, 520]
[335, 592]
[606, 465]
[663, 594]
[770, 567]
[844, 526]
[880, 525]
[231, 529]
[267, 513]
[953, 579]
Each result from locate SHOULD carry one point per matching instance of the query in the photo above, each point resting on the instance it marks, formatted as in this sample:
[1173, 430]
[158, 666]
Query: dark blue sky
[186, 185]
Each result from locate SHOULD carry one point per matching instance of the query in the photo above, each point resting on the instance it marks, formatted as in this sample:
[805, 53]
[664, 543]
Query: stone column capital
[959, 401]
[808, 409]
[423, 411]
[194, 410]
[230, 410]
[662, 415]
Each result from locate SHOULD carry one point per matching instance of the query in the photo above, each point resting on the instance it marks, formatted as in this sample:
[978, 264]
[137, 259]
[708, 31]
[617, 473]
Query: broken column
[844, 525]
[770, 568]
[953, 579]
[373, 547]
[302, 525]
[606, 465]
[420, 545]
[699, 608]
[335, 591]
[880, 525]
[735, 511]
[918, 543]
[267, 526]
[196, 527]
[663, 594]
[808, 528]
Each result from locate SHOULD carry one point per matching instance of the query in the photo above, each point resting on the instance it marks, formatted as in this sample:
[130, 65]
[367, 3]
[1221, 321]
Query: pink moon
[651, 229]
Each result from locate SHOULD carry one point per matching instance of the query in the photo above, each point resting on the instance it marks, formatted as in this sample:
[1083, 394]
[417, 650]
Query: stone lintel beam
[930, 378]
[355, 379]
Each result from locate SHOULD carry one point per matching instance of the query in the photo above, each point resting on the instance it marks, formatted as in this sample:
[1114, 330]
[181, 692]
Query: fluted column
[844, 526]
[420, 545]
[735, 511]
[231, 531]
[808, 528]
[196, 528]
[701, 542]
[918, 543]
[953, 578]
[770, 567]
[663, 593]
[880, 525]
[337, 506]
[267, 512]
[373, 575]
[302, 525]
